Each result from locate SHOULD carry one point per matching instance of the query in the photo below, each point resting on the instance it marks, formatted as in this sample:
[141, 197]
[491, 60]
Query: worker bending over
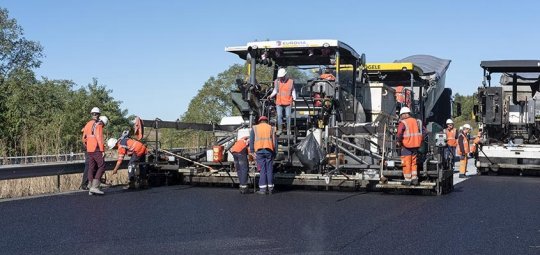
[136, 149]
[240, 155]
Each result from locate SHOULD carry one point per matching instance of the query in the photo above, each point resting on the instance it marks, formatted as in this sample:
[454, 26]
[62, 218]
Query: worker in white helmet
[285, 96]
[95, 150]
[463, 150]
[451, 140]
[409, 138]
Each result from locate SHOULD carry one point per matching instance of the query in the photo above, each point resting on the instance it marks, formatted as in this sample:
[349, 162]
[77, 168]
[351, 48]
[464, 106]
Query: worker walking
[263, 143]
[137, 150]
[451, 140]
[409, 138]
[93, 139]
[285, 96]
[463, 150]
[240, 155]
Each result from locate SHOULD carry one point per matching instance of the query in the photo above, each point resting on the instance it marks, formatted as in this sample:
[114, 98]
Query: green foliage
[466, 116]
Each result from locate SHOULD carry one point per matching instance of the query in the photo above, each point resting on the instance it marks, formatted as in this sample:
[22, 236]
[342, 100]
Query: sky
[156, 55]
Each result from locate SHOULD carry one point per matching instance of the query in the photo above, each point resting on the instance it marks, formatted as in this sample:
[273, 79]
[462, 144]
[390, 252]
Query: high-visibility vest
[93, 136]
[328, 76]
[284, 95]
[239, 146]
[128, 145]
[263, 137]
[476, 142]
[465, 146]
[451, 137]
[412, 137]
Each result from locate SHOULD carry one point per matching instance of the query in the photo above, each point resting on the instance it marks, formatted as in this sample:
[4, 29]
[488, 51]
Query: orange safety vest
[476, 142]
[138, 129]
[263, 137]
[284, 95]
[130, 145]
[328, 76]
[465, 146]
[93, 136]
[239, 145]
[412, 137]
[451, 137]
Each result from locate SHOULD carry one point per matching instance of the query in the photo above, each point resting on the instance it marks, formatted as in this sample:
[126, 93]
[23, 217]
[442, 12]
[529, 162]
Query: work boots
[94, 188]
[414, 182]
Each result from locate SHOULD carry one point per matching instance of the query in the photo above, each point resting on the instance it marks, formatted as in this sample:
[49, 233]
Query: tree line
[44, 116]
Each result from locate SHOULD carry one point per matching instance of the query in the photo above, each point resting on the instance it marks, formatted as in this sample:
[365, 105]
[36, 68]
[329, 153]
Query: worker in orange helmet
[463, 150]
[240, 155]
[92, 136]
[137, 150]
[263, 143]
[409, 138]
[285, 96]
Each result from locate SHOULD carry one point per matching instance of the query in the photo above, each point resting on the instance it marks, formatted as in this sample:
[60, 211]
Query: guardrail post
[58, 182]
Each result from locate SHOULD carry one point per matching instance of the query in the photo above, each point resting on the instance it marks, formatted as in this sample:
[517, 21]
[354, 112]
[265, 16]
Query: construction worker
[476, 142]
[403, 96]
[263, 145]
[451, 140]
[327, 75]
[409, 138]
[136, 149]
[240, 154]
[285, 96]
[463, 150]
[95, 151]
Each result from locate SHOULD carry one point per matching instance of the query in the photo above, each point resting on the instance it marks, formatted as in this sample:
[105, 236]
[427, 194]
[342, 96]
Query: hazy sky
[155, 55]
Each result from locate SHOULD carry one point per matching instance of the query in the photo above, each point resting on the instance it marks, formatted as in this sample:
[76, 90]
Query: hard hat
[404, 109]
[263, 118]
[104, 119]
[467, 126]
[449, 121]
[95, 110]
[111, 143]
[281, 72]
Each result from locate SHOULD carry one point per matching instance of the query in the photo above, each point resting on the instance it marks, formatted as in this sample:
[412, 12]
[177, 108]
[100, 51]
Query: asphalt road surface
[484, 215]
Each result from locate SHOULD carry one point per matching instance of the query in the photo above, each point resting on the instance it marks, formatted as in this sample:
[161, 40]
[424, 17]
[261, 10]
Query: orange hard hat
[263, 118]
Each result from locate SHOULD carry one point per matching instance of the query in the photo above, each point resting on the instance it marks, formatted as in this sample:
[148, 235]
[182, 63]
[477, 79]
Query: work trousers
[408, 163]
[96, 165]
[84, 181]
[132, 166]
[241, 165]
[450, 152]
[279, 109]
[265, 163]
[463, 165]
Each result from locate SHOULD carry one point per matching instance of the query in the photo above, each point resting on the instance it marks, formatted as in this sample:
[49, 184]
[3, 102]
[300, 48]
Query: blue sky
[155, 55]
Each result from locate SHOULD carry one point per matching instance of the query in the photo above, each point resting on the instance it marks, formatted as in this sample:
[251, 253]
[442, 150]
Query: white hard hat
[281, 72]
[449, 121]
[467, 126]
[95, 110]
[404, 110]
[111, 142]
[104, 119]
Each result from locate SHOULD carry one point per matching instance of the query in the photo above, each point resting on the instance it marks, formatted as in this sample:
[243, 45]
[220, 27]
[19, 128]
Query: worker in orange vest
[451, 140]
[263, 143]
[285, 96]
[240, 155]
[93, 140]
[409, 138]
[463, 150]
[137, 150]
[403, 96]
[476, 142]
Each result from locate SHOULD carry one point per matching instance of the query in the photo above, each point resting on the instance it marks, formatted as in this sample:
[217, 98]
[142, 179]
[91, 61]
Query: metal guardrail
[21, 160]
[52, 169]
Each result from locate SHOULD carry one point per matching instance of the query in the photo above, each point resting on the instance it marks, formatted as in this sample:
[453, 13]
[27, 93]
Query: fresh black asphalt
[484, 215]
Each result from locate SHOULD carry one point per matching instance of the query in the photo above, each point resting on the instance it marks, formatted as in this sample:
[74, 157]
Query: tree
[16, 52]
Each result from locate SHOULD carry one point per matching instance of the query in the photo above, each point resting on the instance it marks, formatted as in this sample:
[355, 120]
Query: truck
[508, 114]
[352, 118]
